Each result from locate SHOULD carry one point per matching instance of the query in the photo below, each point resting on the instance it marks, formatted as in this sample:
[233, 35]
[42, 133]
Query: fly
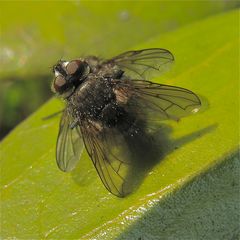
[105, 102]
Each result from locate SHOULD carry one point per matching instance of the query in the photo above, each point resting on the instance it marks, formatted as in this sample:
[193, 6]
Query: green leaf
[39, 201]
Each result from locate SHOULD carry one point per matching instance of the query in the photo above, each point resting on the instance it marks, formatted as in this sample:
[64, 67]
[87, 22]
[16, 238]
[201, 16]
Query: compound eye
[59, 82]
[73, 66]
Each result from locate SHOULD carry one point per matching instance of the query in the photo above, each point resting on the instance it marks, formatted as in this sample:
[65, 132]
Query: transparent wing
[143, 64]
[69, 144]
[110, 155]
[158, 101]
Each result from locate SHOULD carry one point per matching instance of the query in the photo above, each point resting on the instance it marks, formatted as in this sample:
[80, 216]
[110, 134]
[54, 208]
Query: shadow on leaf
[147, 149]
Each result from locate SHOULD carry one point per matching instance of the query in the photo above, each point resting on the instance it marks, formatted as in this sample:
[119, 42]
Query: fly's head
[68, 76]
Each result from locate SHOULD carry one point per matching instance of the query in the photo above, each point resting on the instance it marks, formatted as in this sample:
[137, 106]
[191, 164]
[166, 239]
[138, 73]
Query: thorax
[91, 97]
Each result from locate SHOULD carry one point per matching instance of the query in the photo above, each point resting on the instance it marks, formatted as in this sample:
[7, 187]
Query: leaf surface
[39, 201]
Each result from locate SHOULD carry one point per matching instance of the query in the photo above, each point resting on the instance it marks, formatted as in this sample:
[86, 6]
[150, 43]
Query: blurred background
[36, 34]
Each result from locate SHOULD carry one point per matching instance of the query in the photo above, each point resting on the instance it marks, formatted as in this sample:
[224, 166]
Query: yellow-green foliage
[39, 201]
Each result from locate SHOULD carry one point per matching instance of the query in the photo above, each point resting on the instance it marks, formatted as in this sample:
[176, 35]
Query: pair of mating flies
[110, 101]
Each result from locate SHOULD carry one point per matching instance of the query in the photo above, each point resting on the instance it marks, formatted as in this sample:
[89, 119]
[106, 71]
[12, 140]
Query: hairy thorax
[95, 100]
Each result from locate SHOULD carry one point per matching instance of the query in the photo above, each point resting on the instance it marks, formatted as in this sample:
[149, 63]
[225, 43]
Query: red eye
[73, 66]
[58, 83]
